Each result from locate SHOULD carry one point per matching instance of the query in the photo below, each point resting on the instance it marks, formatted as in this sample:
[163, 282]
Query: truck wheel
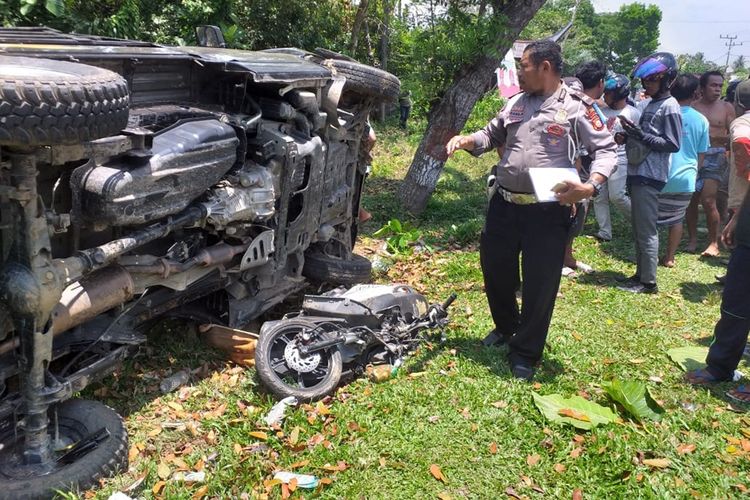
[46, 102]
[366, 80]
[324, 268]
[76, 419]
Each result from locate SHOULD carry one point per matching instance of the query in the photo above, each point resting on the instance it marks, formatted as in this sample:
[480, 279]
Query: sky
[690, 26]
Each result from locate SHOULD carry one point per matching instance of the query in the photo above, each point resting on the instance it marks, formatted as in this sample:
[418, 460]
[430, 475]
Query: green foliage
[575, 411]
[689, 358]
[399, 238]
[635, 397]
[625, 36]
[484, 110]
[695, 63]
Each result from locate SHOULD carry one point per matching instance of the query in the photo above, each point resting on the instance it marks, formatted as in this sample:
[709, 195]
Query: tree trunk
[359, 18]
[384, 45]
[449, 115]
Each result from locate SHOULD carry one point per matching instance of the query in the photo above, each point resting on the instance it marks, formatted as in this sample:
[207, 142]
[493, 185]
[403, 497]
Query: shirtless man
[719, 114]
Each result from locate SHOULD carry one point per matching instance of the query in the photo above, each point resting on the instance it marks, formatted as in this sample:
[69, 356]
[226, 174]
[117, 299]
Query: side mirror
[210, 36]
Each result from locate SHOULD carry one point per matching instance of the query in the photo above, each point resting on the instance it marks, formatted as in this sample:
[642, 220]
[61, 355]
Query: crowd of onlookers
[680, 132]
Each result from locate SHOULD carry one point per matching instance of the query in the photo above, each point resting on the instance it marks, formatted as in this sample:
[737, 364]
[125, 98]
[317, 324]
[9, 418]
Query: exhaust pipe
[85, 299]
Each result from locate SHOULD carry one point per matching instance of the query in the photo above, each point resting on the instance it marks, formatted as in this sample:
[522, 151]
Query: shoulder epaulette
[577, 94]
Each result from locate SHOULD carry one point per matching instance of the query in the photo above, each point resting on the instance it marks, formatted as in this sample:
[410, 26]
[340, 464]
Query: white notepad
[544, 179]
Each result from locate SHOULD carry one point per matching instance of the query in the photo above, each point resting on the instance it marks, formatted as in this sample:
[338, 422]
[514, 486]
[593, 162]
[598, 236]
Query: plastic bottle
[276, 415]
[381, 373]
[174, 381]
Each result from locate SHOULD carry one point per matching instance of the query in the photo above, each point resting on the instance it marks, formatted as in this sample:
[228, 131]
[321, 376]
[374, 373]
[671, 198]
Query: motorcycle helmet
[657, 63]
[618, 84]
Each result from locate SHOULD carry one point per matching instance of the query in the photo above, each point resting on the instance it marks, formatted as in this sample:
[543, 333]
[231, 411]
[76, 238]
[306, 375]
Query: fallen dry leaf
[133, 453]
[259, 435]
[433, 419]
[163, 470]
[578, 438]
[559, 468]
[685, 448]
[297, 465]
[156, 490]
[437, 473]
[576, 452]
[237, 449]
[532, 460]
[293, 484]
[577, 415]
[657, 463]
[154, 432]
[200, 492]
[512, 493]
[443, 495]
[577, 495]
[493, 447]
[500, 404]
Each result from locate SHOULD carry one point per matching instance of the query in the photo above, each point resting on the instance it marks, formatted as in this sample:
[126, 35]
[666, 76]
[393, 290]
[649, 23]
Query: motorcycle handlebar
[448, 301]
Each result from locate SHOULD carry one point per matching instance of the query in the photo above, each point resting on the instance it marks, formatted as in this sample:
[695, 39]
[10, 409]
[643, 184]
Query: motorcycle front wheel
[287, 372]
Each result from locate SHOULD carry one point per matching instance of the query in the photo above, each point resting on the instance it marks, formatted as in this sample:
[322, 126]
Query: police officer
[543, 126]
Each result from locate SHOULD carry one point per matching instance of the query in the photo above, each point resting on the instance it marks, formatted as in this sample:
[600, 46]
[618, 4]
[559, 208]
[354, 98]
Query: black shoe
[495, 339]
[602, 239]
[522, 372]
[640, 288]
[630, 280]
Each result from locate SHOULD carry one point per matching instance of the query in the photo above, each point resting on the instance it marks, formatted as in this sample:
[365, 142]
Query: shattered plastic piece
[174, 381]
[276, 415]
[119, 495]
[303, 480]
[190, 477]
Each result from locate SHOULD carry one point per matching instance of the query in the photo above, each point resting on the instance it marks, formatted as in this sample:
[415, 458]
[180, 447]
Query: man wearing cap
[731, 331]
[543, 126]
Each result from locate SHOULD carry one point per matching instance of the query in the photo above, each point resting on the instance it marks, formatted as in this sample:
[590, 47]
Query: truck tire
[366, 80]
[44, 102]
[324, 268]
[77, 418]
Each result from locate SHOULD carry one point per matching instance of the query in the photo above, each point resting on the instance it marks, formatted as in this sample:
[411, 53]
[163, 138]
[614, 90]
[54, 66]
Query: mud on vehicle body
[139, 181]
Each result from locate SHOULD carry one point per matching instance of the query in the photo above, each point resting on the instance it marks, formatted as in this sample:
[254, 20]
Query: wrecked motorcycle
[306, 354]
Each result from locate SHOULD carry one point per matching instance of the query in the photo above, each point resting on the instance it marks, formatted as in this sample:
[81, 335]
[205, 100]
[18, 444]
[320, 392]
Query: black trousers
[730, 333]
[538, 234]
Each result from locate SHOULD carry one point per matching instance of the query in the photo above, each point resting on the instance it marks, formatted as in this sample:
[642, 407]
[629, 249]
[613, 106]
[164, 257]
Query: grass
[460, 409]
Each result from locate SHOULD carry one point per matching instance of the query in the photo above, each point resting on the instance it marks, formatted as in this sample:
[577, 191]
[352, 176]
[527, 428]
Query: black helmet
[656, 63]
[618, 84]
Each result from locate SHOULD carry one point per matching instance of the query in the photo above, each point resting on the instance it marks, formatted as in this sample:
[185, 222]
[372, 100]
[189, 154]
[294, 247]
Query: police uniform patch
[555, 129]
[593, 117]
[516, 113]
[561, 116]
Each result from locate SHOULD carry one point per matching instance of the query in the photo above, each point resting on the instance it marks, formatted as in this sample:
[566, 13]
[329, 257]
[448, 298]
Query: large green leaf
[552, 404]
[635, 398]
[689, 358]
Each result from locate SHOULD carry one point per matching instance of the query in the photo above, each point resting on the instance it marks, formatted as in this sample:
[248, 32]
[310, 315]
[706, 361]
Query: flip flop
[740, 394]
[569, 272]
[584, 268]
[702, 377]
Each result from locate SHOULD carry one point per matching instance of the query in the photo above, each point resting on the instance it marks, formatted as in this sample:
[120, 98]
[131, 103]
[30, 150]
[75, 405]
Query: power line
[731, 43]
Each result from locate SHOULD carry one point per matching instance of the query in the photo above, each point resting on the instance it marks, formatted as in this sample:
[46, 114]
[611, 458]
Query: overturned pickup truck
[139, 181]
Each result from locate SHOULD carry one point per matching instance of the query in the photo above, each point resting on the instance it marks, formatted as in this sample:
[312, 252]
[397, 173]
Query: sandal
[740, 394]
[569, 272]
[702, 377]
[584, 268]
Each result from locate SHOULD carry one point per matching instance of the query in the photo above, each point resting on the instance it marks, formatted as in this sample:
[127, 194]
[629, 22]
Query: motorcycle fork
[30, 288]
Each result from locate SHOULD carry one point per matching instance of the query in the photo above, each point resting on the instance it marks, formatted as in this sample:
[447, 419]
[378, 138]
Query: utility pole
[731, 43]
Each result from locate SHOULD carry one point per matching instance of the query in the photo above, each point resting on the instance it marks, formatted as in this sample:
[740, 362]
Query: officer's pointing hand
[459, 142]
[573, 192]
